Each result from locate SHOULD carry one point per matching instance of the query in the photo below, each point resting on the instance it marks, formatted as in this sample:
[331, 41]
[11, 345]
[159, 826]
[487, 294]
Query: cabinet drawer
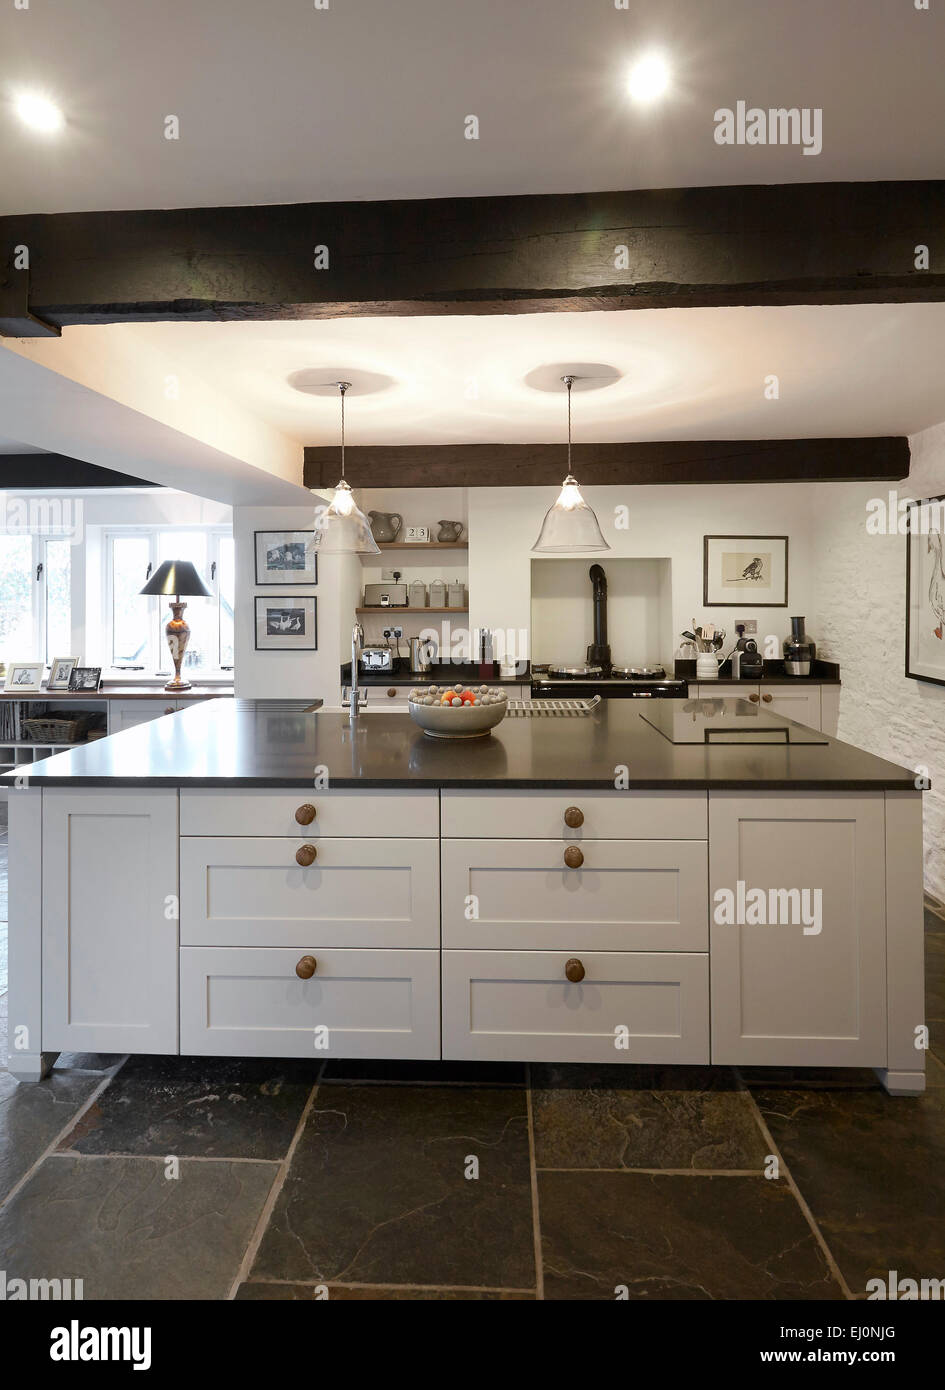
[252, 892]
[205, 811]
[628, 895]
[519, 1006]
[608, 815]
[245, 1002]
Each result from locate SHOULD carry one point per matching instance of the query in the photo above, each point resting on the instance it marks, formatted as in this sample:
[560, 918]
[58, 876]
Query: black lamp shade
[177, 577]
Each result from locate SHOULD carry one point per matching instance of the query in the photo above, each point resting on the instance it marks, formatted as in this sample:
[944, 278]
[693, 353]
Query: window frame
[157, 661]
[38, 599]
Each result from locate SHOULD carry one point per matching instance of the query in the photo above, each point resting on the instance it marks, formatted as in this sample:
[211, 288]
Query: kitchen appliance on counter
[422, 655]
[599, 675]
[376, 659]
[799, 650]
[747, 661]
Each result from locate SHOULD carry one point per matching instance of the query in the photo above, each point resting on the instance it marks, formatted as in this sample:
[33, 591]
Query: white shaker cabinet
[798, 702]
[802, 703]
[783, 995]
[325, 1003]
[128, 714]
[110, 938]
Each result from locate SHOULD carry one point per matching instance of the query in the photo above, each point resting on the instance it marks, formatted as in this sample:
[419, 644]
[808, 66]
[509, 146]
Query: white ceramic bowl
[450, 721]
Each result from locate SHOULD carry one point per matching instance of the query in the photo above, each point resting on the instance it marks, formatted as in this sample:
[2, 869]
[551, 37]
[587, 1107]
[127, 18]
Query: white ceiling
[685, 373]
[281, 102]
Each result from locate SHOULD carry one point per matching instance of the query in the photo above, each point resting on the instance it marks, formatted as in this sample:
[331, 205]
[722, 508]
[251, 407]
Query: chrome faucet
[356, 696]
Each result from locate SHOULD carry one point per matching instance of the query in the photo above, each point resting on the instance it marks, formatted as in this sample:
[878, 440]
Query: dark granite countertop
[268, 743]
[442, 673]
[823, 673]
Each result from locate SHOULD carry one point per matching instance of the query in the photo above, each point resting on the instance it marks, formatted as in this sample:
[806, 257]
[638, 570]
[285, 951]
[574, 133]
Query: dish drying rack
[555, 709]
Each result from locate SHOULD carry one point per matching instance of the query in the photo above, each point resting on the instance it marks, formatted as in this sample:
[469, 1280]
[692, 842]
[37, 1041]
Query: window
[35, 597]
[135, 624]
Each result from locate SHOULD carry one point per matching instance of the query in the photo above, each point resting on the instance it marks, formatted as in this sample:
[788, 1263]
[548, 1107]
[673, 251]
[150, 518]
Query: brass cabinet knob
[753, 699]
[574, 970]
[767, 699]
[305, 814]
[574, 817]
[573, 857]
[306, 967]
[392, 691]
[305, 855]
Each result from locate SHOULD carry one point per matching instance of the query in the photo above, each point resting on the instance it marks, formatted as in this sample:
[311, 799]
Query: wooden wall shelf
[421, 545]
[378, 611]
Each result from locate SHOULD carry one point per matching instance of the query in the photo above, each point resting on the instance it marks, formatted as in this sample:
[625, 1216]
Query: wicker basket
[61, 728]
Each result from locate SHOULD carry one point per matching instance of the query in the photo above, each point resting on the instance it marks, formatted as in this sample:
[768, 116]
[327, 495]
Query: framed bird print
[925, 591]
[745, 571]
[286, 622]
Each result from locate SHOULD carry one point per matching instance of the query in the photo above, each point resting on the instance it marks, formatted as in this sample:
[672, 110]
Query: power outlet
[398, 631]
[749, 624]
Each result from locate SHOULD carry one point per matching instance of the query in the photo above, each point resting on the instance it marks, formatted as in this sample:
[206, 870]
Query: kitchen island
[258, 878]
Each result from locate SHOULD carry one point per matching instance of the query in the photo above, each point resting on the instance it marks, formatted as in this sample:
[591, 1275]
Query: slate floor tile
[643, 1117]
[934, 921]
[372, 1293]
[935, 975]
[811, 1078]
[207, 1107]
[872, 1170]
[131, 1233]
[31, 1116]
[681, 1238]
[426, 1073]
[377, 1192]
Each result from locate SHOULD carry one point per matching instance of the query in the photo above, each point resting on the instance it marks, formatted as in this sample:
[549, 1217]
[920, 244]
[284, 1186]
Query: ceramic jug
[449, 530]
[707, 666]
[385, 525]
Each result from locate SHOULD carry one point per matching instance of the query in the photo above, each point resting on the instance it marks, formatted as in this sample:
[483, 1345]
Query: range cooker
[600, 675]
[610, 682]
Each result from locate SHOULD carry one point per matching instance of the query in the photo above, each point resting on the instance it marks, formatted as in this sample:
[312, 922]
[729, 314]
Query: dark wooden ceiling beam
[816, 243]
[22, 471]
[880, 459]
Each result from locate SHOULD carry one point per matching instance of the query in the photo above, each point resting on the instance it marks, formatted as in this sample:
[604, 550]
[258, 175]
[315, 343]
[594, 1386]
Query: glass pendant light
[570, 526]
[340, 528]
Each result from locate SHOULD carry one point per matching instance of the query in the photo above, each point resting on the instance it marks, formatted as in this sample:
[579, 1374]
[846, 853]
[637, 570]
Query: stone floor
[254, 1179]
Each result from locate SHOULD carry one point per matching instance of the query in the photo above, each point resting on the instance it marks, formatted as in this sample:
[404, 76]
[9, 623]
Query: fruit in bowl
[457, 711]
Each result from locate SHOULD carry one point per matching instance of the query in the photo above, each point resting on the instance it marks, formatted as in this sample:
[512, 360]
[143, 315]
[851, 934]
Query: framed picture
[60, 672]
[25, 676]
[745, 572]
[925, 591]
[286, 622]
[286, 557]
[85, 678]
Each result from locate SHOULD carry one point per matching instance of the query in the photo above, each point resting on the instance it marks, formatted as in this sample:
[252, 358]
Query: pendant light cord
[568, 382]
[342, 387]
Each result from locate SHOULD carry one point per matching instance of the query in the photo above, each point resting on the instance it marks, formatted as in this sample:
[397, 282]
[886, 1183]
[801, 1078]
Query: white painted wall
[292, 675]
[666, 523]
[639, 609]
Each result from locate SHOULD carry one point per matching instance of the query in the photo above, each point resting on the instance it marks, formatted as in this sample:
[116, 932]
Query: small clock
[417, 533]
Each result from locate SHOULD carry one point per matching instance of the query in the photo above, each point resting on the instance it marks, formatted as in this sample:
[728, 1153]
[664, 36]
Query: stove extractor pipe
[598, 653]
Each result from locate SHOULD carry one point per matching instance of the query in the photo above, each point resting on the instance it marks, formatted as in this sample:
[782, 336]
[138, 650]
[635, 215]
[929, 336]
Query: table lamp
[177, 577]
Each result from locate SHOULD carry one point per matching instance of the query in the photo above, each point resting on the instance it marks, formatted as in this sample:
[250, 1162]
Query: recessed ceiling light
[648, 78]
[38, 112]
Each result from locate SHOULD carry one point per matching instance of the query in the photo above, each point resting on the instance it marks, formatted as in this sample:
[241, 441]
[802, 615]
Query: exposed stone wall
[860, 621]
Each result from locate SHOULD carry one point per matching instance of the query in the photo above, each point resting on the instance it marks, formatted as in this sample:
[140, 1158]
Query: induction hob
[726, 720]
